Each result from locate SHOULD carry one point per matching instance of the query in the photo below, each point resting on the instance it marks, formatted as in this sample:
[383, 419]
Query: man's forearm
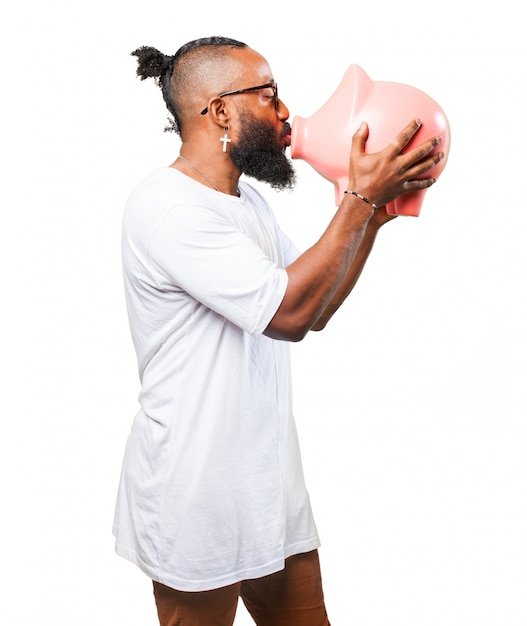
[317, 275]
[352, 276]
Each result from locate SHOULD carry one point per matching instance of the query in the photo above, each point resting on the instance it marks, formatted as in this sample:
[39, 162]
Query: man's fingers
[420, 152]
[406, 135]
[418, 184]
[420, 165]
[359, 138]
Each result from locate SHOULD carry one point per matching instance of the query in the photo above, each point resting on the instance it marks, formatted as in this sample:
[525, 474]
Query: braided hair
[151, 63]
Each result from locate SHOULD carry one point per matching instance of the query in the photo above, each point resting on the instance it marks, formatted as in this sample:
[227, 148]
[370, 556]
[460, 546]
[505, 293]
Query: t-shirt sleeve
[198, 250]
[289, 251]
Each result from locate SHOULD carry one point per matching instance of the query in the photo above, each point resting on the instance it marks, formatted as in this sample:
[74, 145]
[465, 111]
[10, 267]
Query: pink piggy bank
[324, 140]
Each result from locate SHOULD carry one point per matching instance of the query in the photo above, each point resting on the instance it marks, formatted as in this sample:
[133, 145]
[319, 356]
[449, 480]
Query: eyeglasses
[271, 85]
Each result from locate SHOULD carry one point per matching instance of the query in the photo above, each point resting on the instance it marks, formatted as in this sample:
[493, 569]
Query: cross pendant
[225, 139]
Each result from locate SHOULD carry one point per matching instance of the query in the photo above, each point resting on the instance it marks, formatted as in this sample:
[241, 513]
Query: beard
[260, 155]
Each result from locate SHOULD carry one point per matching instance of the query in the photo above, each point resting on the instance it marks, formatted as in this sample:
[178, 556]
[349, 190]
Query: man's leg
[200, 608]
[291, 597]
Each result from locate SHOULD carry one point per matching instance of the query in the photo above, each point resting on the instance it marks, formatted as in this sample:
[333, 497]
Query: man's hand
[380, 217]
[383, 176]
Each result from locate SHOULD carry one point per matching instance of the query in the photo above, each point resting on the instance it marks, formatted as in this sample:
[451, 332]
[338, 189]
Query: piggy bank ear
[357, 85]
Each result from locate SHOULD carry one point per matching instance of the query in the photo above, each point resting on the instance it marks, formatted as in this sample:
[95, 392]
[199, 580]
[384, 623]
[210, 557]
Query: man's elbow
[293, 332]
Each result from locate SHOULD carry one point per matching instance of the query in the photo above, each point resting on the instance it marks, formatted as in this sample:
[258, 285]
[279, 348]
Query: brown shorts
[291, 597]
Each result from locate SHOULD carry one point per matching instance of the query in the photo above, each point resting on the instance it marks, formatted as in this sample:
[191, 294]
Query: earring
[225, 139]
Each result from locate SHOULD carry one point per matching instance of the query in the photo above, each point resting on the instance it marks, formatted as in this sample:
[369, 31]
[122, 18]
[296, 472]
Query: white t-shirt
[212, 489]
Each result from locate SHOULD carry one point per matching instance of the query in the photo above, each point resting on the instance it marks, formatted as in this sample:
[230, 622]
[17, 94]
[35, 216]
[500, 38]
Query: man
[212, 504]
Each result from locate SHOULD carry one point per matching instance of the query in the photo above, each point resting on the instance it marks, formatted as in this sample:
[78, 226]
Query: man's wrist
[361, 197]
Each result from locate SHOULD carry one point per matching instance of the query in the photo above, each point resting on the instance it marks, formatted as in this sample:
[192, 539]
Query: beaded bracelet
[355, 193]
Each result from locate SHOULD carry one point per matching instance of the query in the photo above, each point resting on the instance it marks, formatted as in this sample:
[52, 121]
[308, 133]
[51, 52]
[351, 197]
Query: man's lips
[286, 134]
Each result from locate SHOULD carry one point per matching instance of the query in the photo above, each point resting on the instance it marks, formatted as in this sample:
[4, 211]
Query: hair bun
[151, 63]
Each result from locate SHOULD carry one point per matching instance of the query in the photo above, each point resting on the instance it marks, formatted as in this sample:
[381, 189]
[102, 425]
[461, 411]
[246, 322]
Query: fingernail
[418, 122]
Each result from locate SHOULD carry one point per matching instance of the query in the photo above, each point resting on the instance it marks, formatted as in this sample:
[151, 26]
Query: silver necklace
[204, 176]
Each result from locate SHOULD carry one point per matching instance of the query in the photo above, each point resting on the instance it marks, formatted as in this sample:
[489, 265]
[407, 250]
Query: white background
[411, 406]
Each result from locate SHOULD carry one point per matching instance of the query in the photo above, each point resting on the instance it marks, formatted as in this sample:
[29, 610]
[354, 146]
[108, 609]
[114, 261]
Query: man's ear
[218, 112]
